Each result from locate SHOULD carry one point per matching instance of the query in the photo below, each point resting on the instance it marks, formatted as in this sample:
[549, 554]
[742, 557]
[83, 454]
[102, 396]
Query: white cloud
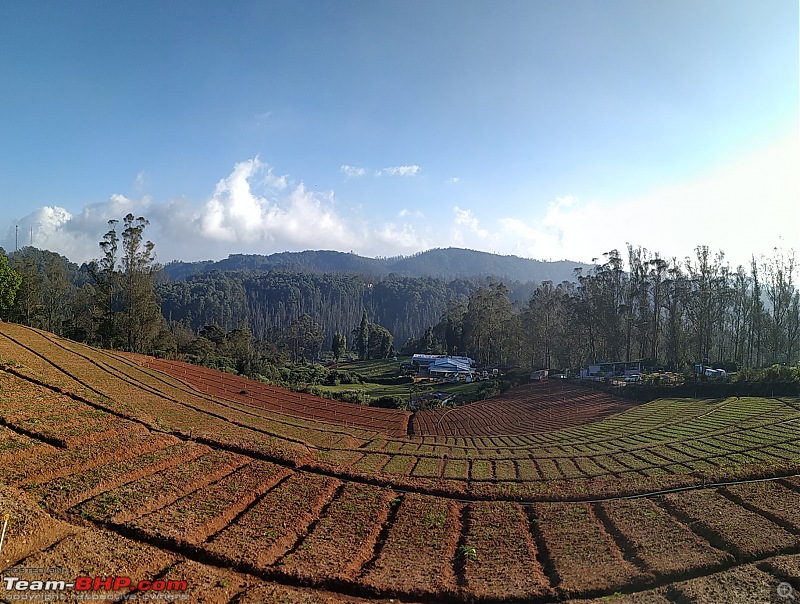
[237, 213]
[455, 179]
[465, 217]
[399, 171]
[393, 239]
[276, 182]
[745, 207]
[74, 235]
[250, 211]
[42, 223]
[466, 231]
[352, 171]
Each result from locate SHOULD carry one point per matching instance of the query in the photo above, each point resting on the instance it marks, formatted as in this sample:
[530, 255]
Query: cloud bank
[745, 207]
[250, 211]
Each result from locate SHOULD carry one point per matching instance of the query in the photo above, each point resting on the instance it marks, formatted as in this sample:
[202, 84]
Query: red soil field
[252, 392]
[275, 523]
[51, 462]
[141, 496]
[733, 528]
[744, 584]
[193, 518]
[585, 557]
[149, 477]
[664, 545]
[343, 540]
[533, 408]
[417, 557]
[499, 554]
[68, 491]
[774, 499]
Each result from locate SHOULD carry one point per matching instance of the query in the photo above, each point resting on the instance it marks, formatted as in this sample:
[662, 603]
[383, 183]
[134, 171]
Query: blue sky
[543, 129]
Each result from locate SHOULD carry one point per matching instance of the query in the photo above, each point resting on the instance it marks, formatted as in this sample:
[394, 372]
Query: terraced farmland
[250, 494]
[232, 387]
[536, 407]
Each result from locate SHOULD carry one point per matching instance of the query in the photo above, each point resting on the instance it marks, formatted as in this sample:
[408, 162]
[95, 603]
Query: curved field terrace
[252, 392]
[536, 407]
[120, 465]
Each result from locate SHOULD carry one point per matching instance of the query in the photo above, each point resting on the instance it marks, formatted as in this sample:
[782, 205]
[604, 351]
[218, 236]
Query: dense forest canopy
[637, 306]
[448, 264]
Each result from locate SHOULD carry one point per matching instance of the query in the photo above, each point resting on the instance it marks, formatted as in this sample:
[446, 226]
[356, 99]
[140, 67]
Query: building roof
[428, 359]
[448, 364]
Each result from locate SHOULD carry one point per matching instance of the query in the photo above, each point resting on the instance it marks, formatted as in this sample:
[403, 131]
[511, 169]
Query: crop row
[658, 421]
[255, 393]
[534, 476]
[529, 409]
[135, 368]
[652, 461]
[771, 438]
[72, 554]
[108, 376]
[15, 448]
[202, 419]
[45, 462]
[214, 423]
[299, 526]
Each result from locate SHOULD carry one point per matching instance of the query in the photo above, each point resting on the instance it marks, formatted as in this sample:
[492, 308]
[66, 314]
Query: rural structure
[441, 365]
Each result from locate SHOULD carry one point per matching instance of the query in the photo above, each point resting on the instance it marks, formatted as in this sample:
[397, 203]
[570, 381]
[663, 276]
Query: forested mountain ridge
[403, 294]
[669, 312]
[270, 293]
[448, 263]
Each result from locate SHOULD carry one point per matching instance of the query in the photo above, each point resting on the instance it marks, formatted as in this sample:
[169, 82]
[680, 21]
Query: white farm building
[436, 365]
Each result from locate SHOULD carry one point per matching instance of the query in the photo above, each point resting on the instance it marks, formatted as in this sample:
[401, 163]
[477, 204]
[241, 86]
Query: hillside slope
[129, 470]
[448, 263]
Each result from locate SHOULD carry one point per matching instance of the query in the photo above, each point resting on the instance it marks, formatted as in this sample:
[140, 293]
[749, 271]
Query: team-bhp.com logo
[89, 585]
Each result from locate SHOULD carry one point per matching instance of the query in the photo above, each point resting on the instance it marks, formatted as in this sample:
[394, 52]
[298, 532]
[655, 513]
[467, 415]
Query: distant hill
[449, 263]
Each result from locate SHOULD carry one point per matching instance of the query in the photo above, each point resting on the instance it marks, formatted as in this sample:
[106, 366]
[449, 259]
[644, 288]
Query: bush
[488, 389]
[775, 373]
[358, 397]
[780, 373]
[334, 378]
[389, 402]
[707, 389]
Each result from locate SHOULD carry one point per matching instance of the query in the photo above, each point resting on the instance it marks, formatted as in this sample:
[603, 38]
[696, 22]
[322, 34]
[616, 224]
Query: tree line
[640, 306]
[668, 313]
[109, 302]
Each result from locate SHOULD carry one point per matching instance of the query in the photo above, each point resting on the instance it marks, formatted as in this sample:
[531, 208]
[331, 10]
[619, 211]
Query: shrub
[358, 397]
[389, 402]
